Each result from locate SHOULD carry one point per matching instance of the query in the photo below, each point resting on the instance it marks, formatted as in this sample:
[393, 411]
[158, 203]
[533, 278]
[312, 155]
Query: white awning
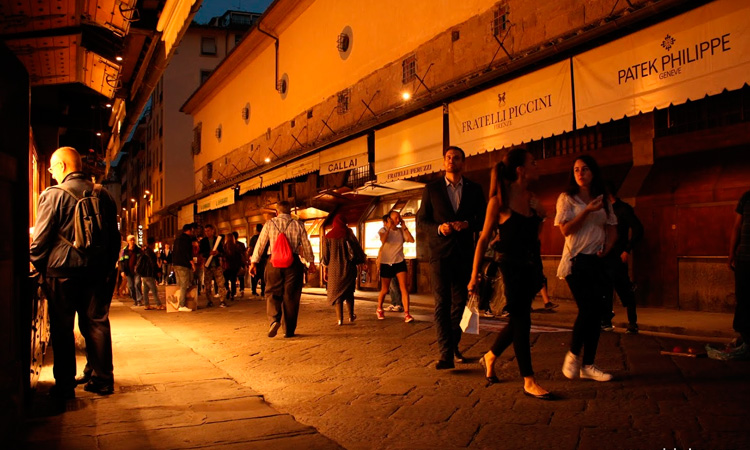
[185, 215]
[217, 200]
[347, 156]
[410, 148]
[533, 106]
[377, 190]
[292, 170]
[250, 185]
[698, 53]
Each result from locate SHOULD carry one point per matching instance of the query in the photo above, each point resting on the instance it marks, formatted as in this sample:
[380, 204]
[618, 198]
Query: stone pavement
[166, 397]
[372, 384]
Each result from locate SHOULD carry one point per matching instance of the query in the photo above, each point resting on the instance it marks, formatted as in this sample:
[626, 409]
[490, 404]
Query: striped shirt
[295, 234]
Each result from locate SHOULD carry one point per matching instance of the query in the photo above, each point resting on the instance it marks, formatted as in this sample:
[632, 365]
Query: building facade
[341, 106]
[166, 164]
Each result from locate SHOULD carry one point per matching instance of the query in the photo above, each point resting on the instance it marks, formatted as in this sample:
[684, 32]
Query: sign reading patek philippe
[532, 106]
[698, 53]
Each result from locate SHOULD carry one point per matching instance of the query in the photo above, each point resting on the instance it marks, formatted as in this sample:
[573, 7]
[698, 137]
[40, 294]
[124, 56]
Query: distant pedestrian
[212, 270]
[587, 221]
[128, 258]
[393, 262]
[259, 277]
[452, 211]
[339, 271]
[148, 270]
[79, 275]
[242, 273]
[514, 211]
[739, 261]
[283, 284]
[394, 289]
[182, 259]
[234, 258]
[165, 257]
[629, 233]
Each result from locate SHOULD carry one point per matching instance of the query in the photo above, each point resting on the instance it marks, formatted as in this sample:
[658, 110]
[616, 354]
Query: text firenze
[671, 64]
[503, 118]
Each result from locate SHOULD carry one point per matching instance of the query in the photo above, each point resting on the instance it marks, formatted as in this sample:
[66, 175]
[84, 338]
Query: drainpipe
[276, 43]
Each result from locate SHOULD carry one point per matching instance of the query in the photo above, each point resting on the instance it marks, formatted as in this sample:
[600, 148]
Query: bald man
[75, 281]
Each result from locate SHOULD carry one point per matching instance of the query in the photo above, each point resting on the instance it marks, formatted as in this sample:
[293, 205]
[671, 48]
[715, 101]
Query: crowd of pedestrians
[599, 231]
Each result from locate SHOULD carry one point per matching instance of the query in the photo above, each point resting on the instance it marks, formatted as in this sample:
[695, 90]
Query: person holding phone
[392, 261]
[588, 222]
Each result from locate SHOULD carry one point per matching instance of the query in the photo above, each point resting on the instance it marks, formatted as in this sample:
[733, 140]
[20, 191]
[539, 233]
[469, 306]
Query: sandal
[381, 315]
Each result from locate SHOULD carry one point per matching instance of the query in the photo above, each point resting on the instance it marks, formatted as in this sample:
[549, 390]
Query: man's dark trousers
[283, 292]
[90, 297]
[449, 277]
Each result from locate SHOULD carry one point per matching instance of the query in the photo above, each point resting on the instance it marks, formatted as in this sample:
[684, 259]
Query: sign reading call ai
[343, 163]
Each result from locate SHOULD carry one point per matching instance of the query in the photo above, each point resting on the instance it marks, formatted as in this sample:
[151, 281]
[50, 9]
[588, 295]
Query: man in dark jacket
[452, 211]
[76, 281]
[212, 270]
[148, 269]
[629, 233]
[128, 257]
[182, 259]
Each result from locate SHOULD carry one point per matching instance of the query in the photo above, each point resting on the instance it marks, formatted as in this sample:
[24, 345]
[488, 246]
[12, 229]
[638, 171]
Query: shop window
[719, 110]
[197, 138]
[208, 45]
[372, 242]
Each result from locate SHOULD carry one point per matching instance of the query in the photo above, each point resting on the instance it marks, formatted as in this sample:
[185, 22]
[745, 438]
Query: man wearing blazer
[452, 211]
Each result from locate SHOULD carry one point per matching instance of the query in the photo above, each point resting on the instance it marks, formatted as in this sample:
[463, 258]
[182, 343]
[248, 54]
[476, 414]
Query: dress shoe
[547, 396]
[99, 388]
[289, 335]
[492, 379]
[273, 329]
[83, 379]
[442, 365]
[459, 358]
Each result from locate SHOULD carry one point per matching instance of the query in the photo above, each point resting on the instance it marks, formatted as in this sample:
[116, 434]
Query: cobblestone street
[372, 384]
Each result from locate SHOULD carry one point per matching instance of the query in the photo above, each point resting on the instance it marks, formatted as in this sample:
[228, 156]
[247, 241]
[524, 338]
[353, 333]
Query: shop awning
[533, 106]
[379, 189]
[217, 200]
[185, 215]
[347, 156]
[291, 170]
[698, 53]
[410, 148]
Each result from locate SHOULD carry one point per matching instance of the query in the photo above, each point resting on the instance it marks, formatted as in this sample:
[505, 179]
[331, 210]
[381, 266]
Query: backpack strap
[72, 194]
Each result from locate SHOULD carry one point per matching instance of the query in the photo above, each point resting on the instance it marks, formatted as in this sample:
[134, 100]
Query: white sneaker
[594, 373]
[184, 309]
[572, 366]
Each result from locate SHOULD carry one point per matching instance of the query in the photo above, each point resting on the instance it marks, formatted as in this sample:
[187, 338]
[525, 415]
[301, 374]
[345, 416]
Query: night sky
[214, 8]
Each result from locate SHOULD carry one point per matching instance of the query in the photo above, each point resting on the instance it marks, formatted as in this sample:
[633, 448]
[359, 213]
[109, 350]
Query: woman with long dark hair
[515, 212]
[587, 221]
[338, 269]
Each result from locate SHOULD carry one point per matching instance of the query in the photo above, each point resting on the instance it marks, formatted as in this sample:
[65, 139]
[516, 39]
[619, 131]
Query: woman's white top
[392, 251]
[589, 239]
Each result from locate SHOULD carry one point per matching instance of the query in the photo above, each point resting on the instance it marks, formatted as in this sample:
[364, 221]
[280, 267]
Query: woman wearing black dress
[515, 212]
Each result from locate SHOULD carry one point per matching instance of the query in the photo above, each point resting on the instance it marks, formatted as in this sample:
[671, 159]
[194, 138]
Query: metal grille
[409, 69]
[344, 97]
[584, 140]
[500, 21]
[724, 109]
[361, 175]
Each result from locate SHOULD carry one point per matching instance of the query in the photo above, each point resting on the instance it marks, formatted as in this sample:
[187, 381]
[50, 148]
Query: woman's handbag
[354, 252]
[470, 320]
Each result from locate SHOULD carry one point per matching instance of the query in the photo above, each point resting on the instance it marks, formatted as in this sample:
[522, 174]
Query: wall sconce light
[98, 133]
[118, 58]
[405, 96]
[268, 160]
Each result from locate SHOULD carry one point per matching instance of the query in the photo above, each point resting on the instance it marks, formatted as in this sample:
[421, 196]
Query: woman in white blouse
[587, 221]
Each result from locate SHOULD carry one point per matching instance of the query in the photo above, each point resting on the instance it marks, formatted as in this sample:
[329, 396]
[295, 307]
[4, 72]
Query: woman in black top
[514, 210]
